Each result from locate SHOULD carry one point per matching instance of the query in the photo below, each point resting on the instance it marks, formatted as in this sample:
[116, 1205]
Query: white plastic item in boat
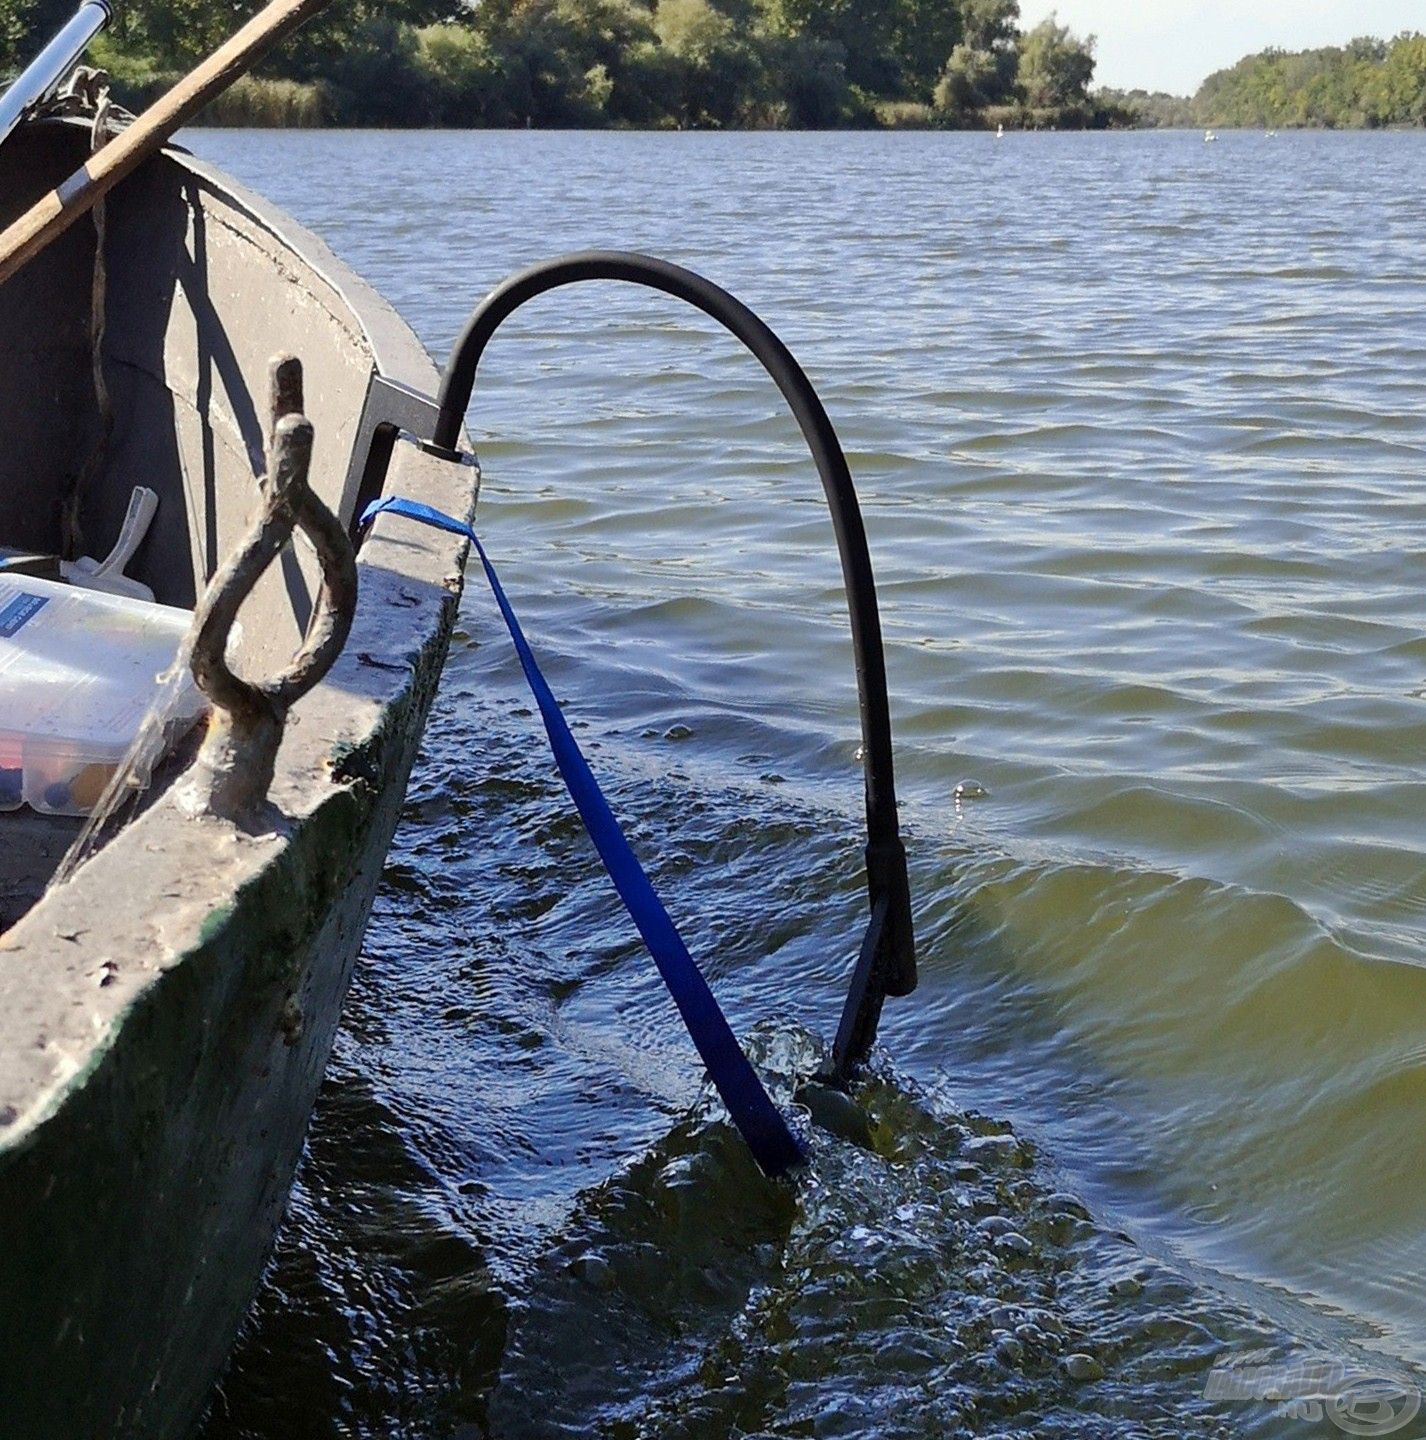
[79, 670]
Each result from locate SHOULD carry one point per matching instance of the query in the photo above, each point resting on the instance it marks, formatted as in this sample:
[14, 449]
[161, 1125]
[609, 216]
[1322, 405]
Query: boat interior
[157, 377]
[34, 846]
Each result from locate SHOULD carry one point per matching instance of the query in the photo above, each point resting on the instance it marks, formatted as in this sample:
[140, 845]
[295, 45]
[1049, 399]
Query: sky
[1174, 44]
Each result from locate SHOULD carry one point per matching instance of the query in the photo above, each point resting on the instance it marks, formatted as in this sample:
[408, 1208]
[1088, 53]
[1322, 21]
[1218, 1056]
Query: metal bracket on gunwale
[235, 766]
[390, 409]
[886, 964]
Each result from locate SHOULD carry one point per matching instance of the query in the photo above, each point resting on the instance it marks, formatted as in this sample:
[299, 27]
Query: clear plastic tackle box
[79, 670]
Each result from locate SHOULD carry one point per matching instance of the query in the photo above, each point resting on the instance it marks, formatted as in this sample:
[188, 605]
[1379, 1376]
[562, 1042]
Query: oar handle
[56, 212]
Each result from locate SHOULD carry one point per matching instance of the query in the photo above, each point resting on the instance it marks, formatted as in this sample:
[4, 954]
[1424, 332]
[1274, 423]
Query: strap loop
[773, 1144]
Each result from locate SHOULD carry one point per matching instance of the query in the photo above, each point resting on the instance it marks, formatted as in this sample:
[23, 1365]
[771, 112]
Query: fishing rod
[41, 78]
[55, 212]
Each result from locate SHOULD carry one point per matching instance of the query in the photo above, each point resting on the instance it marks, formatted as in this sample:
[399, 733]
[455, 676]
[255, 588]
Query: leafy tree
[1367, 48]
[310, 54]
[1400, 90]
[891, 47]
[563, 62]
[694, 30]
[13, 31]
[25, 25]
[1367, 82]
[975, 78]
[981, 69]
[864, 29]
[923, 35]
[810, 77]
[991, 25]
[719, 68]
[183, 31]
[374, 77]
[461, 72]
[1056, 66]
[1150, 110]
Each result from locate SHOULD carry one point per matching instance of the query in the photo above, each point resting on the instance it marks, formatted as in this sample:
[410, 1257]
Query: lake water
[1138, 426]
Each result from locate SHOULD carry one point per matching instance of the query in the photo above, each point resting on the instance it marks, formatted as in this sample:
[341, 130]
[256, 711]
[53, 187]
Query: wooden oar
[57, 211]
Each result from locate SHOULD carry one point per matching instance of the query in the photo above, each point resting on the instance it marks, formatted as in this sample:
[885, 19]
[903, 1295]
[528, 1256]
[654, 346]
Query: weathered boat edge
[150, 1130]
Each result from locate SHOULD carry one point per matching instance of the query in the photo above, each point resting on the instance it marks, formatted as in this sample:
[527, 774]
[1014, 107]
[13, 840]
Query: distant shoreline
[745, 65]
[204, 123]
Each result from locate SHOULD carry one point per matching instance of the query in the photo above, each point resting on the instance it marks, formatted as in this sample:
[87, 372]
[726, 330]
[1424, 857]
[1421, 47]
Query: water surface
[1137, 425]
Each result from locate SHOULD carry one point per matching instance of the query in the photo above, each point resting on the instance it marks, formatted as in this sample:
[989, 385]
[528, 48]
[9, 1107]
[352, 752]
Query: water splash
[931, 1284]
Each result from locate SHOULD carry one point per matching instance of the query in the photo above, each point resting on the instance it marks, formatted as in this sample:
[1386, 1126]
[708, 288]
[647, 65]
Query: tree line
[656, 63]
[712, 64]
[1365, 84]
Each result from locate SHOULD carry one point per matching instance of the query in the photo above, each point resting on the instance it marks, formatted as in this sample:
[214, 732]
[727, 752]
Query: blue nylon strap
[774, 1146]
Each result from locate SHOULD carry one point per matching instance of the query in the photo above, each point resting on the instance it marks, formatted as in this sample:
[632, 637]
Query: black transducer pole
[887, 962]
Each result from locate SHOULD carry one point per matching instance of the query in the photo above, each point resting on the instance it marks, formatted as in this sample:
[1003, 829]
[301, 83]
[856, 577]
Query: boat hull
[166, 1015]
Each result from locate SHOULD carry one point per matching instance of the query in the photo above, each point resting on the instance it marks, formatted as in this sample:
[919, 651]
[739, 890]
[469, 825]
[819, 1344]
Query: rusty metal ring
[241, 749]
[291, 505]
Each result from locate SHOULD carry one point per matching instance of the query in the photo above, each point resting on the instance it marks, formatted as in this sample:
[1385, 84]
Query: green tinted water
[1138, 430]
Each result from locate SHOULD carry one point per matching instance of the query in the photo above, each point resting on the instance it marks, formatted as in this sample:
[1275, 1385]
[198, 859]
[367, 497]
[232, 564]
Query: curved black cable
[887, 964]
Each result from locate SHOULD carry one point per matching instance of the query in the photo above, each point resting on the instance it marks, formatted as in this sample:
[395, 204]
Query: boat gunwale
[53, 959]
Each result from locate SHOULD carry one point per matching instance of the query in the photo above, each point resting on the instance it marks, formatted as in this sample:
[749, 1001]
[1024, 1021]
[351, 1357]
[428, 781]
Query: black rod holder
[887, 963]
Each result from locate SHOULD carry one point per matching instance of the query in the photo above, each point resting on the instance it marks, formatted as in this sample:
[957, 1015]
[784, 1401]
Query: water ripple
[1137, 426]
